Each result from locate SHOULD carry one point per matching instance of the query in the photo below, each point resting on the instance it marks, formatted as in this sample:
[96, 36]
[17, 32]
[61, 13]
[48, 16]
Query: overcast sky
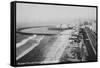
[39, 14]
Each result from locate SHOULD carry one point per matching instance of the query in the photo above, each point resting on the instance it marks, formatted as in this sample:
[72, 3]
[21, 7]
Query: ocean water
[40, 30]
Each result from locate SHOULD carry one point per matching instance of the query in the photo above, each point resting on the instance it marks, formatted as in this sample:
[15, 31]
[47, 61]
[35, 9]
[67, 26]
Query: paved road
[90, 41]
